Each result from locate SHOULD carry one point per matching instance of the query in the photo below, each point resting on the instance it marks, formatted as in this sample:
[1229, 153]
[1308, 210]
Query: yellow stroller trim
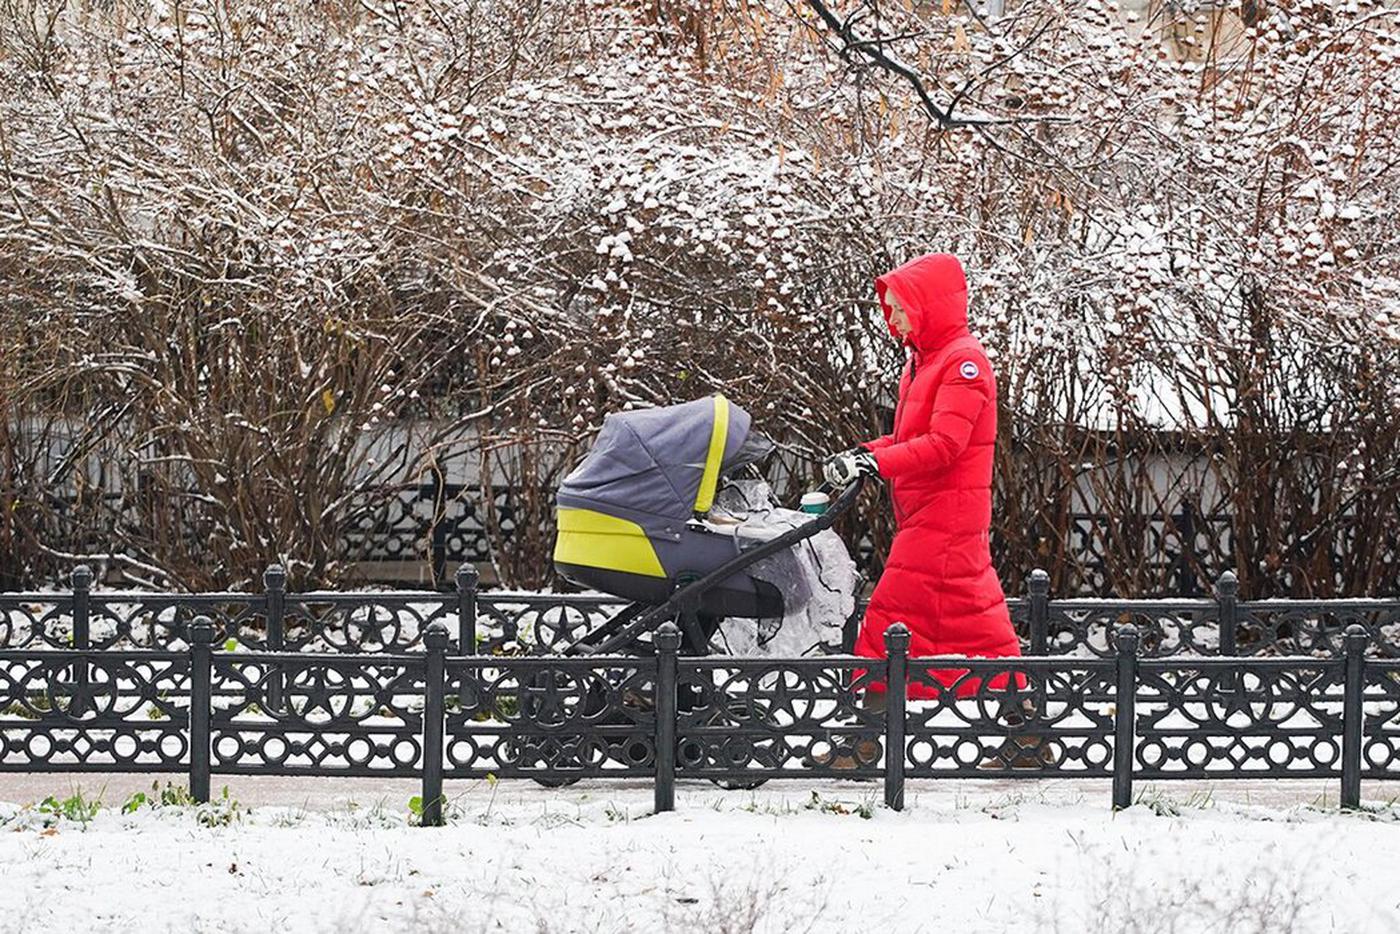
[597, 540]
[719, 433]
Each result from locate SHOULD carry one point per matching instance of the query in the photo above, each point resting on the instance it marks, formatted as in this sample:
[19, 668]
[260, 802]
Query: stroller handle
[692, 591]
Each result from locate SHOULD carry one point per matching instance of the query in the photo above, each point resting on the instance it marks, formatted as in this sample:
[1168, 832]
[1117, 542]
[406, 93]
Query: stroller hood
[663, 463]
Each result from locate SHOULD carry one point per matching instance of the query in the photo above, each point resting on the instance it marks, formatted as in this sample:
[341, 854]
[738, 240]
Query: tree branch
[873, 52]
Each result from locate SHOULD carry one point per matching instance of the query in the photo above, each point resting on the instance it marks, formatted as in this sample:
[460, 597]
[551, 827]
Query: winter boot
[1020, 751]
[848, 753]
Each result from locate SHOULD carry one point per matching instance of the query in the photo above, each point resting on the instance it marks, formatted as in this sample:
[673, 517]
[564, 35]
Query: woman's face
[899, 318]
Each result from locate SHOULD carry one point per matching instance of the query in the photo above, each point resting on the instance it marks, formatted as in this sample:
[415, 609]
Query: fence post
[82, 631]
[439, 528]
[82, 612]
[436, 639]
[668, 643]
[896, 686]
[467, 581]
[1124, 716]
[275, 608]
[1039, 588]
[1186, 583]
[1353, 713]
[1227, 590]
[201, 684]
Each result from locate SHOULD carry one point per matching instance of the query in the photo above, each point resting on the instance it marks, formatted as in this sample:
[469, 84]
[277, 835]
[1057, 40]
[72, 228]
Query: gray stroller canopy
[664, 462]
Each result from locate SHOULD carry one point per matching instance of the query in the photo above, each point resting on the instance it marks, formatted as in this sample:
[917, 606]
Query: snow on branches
[311, 226]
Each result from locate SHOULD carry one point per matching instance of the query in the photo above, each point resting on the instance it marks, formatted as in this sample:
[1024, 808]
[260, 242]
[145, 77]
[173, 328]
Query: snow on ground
[984, 855]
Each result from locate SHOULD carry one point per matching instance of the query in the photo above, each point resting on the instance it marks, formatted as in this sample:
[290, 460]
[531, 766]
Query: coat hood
[933, 292]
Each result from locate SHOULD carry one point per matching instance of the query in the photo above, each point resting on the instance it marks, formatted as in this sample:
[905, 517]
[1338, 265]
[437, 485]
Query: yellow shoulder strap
[719, 434]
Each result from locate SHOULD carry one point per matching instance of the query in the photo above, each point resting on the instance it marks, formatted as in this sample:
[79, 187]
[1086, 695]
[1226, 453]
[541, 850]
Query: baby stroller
[633, 522]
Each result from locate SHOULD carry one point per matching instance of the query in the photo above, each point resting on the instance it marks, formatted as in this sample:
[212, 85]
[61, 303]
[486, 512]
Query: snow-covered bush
[242, 238]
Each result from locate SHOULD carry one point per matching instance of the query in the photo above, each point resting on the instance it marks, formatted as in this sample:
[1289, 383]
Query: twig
[873, 51]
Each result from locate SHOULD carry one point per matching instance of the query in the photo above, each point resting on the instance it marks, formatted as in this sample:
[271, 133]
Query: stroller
[633, 523]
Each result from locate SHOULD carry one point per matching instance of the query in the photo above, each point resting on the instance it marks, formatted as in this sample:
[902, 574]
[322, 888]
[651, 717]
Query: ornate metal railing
[496, 622]
[443, 523]
[440, 524]
[469, 684]
[437, 714]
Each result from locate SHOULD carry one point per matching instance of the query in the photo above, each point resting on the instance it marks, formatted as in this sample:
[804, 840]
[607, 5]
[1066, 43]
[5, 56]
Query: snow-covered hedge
[241, 238]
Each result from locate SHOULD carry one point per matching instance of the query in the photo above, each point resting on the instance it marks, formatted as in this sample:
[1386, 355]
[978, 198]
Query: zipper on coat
[899, 403]
[898, 408]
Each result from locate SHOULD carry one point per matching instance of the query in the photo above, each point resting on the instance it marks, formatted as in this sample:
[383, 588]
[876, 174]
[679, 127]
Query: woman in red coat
[938, 579]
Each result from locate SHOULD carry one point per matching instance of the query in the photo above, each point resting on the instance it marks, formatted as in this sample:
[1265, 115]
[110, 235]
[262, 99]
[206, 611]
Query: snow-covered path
[803, 856]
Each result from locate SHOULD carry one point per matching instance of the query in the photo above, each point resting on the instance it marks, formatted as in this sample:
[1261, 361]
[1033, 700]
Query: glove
[841, 470]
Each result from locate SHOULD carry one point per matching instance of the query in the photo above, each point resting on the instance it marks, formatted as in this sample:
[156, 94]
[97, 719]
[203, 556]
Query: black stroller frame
[622, 633]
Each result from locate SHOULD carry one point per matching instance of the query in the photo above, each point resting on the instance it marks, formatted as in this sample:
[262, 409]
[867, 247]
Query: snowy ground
[971, 856]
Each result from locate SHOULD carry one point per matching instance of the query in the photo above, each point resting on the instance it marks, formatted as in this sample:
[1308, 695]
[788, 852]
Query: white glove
[841, 470]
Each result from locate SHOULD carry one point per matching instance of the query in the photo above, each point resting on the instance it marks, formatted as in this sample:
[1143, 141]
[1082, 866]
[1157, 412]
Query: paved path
[323, 793]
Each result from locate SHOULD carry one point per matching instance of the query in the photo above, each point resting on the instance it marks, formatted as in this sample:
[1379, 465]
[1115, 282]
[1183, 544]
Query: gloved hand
[841, 470]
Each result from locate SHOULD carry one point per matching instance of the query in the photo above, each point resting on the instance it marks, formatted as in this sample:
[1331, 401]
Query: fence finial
[668, 636]
[201, 630]
[897, 637]
[436, 637]
[1126, 637]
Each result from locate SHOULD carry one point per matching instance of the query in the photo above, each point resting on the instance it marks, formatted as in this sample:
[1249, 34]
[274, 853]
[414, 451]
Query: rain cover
[816, 577]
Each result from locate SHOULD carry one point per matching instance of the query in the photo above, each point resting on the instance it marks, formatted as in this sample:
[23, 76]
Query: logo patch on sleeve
[968, 369]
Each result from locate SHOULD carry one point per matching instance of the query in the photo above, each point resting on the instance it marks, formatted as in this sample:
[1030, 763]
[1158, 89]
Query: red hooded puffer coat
[938, 579]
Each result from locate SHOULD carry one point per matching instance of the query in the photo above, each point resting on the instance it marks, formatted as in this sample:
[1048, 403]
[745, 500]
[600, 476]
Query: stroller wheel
[528, 751]
[554, 782]
[562, 704]
[737, 712]
[733, 784]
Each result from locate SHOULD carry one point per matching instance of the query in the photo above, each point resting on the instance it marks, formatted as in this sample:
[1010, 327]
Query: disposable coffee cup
[815, 502]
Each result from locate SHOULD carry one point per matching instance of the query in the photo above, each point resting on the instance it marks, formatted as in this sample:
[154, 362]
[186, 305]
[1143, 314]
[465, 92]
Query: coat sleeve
[956, 407]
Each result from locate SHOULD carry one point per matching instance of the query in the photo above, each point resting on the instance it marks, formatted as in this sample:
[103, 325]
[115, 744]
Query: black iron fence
[467, 684]
[436, 714]
[442, 524]
[495, 622]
